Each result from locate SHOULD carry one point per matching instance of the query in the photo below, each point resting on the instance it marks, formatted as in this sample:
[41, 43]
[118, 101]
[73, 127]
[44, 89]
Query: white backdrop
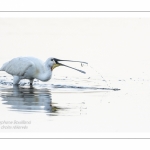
[117, 47]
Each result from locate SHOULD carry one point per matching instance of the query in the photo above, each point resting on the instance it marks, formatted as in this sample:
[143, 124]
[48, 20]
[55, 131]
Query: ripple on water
[64, 84]
[27, 99]
[38, 98]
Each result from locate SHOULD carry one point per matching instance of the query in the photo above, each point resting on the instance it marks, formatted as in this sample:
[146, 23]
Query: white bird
[33, 68]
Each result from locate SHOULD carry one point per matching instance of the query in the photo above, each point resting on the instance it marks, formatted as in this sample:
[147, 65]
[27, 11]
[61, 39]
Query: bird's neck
[46, 74]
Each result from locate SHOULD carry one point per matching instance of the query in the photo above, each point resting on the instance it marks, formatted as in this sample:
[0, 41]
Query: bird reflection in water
[28, 99]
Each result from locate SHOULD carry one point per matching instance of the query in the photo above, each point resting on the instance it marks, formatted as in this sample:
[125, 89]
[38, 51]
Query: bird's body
[27, 68]
[32, 68]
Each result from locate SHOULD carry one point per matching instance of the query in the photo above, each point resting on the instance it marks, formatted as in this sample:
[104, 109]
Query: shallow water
[74, 105]
[38, 98]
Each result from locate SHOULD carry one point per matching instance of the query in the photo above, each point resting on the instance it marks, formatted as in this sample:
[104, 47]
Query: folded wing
[17, 66]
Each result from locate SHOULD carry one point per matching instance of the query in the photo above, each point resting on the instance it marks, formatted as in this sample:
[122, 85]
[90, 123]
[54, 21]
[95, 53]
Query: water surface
[73, 104]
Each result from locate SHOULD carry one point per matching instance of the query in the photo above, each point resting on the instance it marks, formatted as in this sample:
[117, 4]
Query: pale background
[116, 47]
[80, 5]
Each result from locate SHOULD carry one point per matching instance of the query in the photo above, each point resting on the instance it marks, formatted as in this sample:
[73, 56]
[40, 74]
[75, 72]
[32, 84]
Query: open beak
[57, 63]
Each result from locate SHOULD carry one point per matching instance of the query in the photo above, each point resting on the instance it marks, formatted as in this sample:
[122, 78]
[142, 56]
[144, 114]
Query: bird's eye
[52, 59]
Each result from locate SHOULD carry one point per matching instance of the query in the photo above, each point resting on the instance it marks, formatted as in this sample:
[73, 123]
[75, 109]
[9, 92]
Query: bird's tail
[2, 68]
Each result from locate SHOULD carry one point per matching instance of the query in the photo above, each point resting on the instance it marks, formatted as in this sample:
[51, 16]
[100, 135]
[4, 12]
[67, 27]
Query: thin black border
[77, 12]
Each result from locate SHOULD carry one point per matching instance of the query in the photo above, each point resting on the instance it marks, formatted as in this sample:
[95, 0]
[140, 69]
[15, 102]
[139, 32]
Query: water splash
[82, 83]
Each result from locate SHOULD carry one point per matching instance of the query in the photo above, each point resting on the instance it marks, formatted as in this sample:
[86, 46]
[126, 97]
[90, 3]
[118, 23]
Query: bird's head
[54, 62]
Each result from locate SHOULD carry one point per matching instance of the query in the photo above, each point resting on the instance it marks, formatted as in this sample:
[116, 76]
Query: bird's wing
[17, 66]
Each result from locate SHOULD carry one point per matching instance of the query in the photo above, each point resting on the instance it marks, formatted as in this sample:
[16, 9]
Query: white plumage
[32, 68]
[17, 66]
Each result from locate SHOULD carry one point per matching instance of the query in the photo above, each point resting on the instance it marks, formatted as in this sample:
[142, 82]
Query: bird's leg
[16, 79]
[31, 82]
